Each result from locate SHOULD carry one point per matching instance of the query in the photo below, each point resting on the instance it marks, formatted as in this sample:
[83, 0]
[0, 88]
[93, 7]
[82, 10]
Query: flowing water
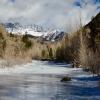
[41, 81]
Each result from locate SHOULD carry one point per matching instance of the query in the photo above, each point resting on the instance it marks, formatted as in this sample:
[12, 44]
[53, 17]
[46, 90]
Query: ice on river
[40, 80]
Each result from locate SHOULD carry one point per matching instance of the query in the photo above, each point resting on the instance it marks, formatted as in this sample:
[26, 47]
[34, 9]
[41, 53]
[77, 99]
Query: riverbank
[44, 67]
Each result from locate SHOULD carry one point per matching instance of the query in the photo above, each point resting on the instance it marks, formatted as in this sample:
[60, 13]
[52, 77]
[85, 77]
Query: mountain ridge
[35, 31]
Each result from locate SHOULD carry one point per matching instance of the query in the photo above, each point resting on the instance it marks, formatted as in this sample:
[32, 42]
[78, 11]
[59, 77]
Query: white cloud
[49, 13]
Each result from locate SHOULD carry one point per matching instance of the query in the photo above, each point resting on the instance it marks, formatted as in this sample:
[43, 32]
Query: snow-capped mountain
[54, 35]
[16, 28]
[34, 30]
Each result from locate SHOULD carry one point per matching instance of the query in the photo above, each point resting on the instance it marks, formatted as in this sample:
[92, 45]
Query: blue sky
[62, 14]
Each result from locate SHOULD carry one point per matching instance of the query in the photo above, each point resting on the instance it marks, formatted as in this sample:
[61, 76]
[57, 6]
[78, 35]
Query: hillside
[94, 31]
[90, 45]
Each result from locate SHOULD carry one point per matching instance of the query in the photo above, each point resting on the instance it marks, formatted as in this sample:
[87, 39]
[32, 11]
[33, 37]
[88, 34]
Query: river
[41, 81]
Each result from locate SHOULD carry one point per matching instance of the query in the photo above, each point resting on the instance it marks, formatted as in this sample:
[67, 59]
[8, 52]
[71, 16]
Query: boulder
[65, 79]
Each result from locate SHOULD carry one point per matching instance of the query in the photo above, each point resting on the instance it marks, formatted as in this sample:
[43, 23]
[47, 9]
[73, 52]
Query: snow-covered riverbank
[42, 67]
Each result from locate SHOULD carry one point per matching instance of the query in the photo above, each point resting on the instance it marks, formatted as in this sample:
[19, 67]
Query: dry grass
[69, 48]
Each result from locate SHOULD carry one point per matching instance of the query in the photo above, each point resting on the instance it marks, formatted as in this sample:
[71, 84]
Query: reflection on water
[46, 87]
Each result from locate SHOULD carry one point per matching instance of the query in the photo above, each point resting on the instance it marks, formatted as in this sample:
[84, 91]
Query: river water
[41, 81]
